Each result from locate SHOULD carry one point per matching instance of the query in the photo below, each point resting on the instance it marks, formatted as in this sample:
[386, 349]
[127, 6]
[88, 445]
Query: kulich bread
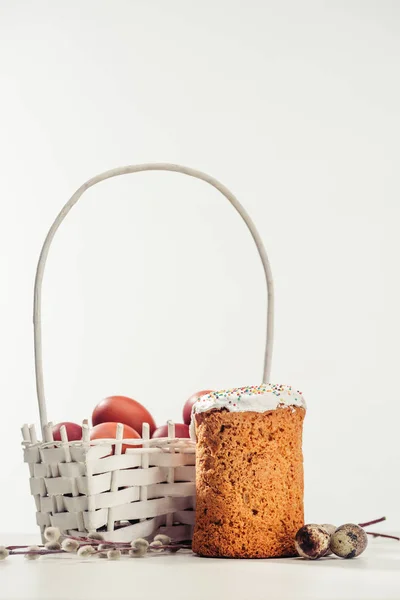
[249, 472]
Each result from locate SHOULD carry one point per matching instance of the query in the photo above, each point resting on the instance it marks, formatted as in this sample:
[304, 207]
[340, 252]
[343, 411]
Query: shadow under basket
[81, 488]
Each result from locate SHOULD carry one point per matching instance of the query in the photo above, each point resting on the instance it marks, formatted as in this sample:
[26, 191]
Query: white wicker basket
[81, 488]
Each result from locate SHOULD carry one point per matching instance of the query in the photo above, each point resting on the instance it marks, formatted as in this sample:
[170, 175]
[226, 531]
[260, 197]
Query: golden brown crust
[249, 483]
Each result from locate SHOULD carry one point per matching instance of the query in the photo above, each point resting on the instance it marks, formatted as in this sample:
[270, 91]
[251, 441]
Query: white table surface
[373, 576]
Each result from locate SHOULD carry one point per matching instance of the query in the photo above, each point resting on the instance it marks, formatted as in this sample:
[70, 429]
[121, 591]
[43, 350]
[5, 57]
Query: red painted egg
[187, 409]
[74, 431]
[109, 430]
[121, 409]
[181, 431]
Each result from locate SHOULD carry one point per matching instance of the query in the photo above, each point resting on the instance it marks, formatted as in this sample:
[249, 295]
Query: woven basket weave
[81, 487]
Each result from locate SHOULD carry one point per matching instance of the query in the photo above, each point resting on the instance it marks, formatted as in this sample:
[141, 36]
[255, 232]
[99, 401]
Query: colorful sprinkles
[257, 398]
[252, 390]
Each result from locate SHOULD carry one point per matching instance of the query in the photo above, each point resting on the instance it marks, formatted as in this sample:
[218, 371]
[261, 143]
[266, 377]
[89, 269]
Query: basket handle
[74, 199]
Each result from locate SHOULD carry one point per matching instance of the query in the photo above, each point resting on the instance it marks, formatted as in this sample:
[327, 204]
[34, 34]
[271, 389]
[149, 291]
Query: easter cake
[249, 472]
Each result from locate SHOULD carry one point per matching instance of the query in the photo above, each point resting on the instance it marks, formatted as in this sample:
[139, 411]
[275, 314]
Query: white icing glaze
[259, 398]
[253, 398]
